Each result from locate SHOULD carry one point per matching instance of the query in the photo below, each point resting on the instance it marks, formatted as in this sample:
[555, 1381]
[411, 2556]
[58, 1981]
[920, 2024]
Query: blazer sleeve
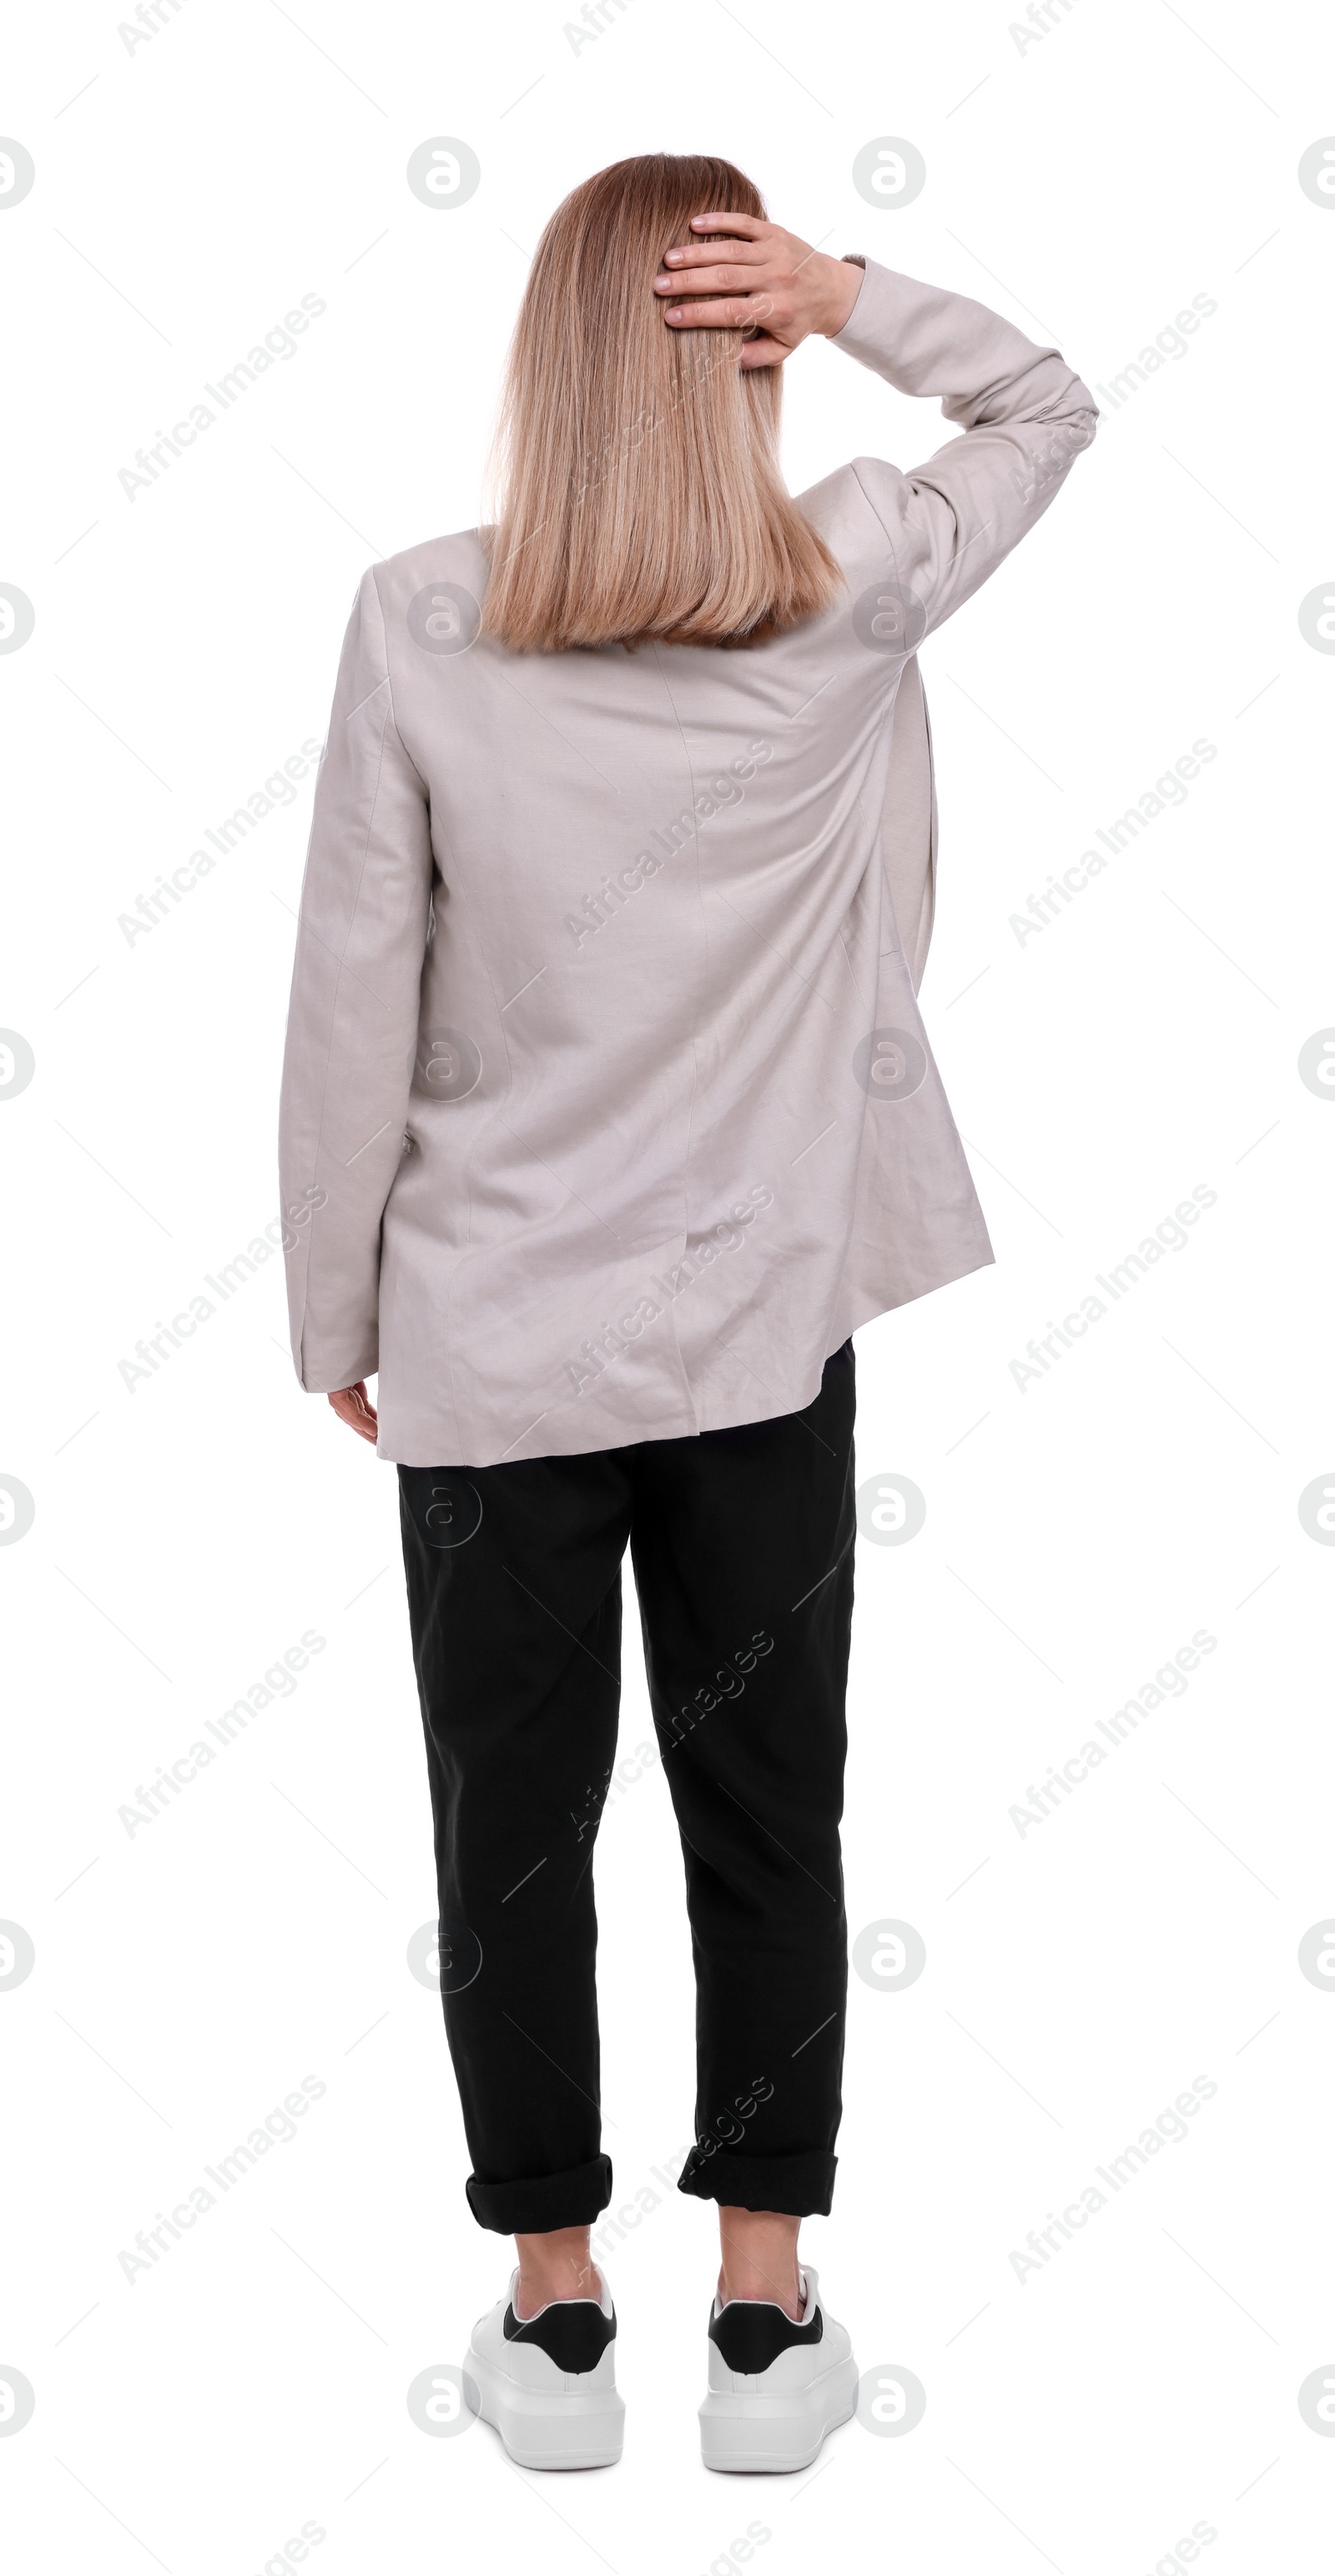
[1025, 416]
[352, 1017]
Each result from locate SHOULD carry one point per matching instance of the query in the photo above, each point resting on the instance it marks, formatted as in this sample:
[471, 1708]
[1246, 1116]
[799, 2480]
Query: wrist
[840, 282]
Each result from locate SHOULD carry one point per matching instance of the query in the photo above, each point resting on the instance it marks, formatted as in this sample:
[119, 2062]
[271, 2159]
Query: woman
[608, 1115]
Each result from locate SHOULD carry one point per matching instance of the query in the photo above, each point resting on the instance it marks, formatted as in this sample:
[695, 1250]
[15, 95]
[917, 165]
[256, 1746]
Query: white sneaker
[549, 2384]
[775, 2388]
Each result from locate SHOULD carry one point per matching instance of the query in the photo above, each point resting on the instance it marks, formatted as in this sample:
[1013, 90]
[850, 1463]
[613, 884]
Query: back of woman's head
[638, 462]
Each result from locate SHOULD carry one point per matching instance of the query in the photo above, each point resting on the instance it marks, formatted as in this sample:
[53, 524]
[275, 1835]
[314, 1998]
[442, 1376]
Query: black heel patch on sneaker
[751, 2333]
[573, 2333]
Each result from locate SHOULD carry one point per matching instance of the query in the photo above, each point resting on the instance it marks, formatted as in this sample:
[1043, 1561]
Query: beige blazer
[607, 1109]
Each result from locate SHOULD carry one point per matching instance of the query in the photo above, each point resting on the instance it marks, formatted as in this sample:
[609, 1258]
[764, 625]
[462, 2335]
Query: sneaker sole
[541, 2430]
[776, 2433]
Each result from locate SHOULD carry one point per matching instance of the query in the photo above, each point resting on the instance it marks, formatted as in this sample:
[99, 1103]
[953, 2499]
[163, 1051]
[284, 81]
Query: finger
[721, 313]
[698, 254]
[749, 226]
[728, 279]
[763, 352]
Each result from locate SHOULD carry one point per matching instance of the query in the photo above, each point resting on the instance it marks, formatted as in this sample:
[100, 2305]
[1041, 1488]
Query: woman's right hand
[763, 280]
[353, 1405]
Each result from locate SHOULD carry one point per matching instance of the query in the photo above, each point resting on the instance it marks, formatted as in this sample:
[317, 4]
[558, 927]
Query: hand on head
[762, 280]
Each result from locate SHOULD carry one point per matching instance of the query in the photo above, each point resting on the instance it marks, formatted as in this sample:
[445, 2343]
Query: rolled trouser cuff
[572, 2199]
[800, 2186]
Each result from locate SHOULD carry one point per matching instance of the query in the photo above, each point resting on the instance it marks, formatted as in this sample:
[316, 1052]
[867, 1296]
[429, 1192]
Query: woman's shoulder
[430, 596]
[461, 556]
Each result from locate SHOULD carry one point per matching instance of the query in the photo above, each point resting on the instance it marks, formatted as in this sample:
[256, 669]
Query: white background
[1145, 2379]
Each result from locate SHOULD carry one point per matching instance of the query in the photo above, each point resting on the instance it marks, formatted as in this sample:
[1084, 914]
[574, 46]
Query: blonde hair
[637, 462]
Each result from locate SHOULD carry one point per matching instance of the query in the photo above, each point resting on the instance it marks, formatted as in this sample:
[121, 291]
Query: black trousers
[742, 1545]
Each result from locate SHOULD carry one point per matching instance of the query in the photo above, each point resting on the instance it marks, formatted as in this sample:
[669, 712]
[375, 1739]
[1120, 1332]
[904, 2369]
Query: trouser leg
[742, 1543]
[514, 1595]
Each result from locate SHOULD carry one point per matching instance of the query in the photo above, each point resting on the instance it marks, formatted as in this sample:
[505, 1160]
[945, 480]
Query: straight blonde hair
[636, 464]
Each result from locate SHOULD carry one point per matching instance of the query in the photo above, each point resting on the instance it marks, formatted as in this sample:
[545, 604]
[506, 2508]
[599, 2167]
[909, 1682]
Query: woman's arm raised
[1025, 413]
